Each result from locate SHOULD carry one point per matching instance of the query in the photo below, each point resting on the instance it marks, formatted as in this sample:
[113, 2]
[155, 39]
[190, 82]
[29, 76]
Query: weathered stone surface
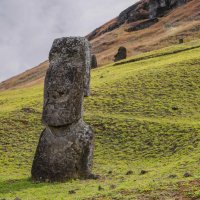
[66, 81]
[157, 8]
[121, 54]
[137, 11]
[88, 69]
[94, 62]
[64, 153]
[153, 6]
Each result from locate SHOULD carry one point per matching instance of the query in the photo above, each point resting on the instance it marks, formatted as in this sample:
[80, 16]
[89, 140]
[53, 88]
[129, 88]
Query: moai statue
[65, 149]
[181, 41]
[121, 54]
[94, 62]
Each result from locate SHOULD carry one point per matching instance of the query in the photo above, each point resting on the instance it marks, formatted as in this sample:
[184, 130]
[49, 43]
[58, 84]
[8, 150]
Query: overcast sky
[28, 27]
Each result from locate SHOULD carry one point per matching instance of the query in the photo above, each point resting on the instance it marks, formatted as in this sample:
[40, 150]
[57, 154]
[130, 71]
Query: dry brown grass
[27, 78]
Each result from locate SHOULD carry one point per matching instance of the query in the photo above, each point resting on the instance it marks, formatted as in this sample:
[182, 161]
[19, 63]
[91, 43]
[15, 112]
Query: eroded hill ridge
[142, 10]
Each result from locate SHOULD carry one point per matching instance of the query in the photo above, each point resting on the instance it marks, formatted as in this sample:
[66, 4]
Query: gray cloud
[28, 27]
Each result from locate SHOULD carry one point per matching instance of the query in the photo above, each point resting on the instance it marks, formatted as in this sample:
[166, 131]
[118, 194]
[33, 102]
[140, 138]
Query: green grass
[145, 115]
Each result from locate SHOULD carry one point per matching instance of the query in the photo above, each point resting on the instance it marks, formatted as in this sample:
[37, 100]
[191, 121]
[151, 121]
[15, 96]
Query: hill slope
[172, 24]
[145, 115]
[180, 22]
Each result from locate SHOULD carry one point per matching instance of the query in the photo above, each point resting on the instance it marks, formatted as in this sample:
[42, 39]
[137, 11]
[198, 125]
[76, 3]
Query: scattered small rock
[112, 187]
[174, 108]
[72, 192]
[129, 172]
[100, 188]
[17, 198]
[172, 176]
[47, 180]
[143, 172]
[94, 176]
[186, 175]
[28, 110]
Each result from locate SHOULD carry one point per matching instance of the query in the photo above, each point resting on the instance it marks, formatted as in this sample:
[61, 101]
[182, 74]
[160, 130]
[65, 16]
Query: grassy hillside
[146, 117]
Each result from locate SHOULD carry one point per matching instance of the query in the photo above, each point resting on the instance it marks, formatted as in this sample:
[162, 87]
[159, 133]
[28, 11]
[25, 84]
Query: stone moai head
[181, 40]
[67, 81]
[121, 54]
[94, 62]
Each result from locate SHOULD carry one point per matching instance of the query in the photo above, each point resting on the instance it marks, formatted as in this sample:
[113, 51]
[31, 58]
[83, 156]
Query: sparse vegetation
[146, 118]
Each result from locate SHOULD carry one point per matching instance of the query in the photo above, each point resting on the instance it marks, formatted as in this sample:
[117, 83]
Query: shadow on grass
[14, 185]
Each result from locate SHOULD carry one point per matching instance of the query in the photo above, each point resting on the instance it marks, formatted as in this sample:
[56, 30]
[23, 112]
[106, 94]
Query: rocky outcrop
[121, 54]
[138, 11]
[65, 147]
[142, 10]
[158, 8]
[148, 9]
[142, 25]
